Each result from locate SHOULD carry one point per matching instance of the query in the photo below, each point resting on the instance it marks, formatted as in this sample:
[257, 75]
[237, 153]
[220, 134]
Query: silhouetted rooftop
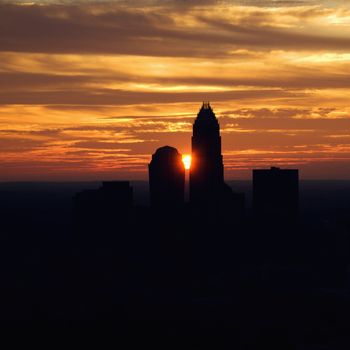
[166, 152]
[275, 170]
[115, 185]
[206, 113]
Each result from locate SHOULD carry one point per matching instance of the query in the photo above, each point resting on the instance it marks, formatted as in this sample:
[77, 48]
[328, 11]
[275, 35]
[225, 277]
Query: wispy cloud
[94, 87]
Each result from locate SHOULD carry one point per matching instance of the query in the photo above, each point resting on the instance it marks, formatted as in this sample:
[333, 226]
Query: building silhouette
[166, 178]
[117, 194]
[276, 193]
[207, 186]
[207, 169]
[109, 203]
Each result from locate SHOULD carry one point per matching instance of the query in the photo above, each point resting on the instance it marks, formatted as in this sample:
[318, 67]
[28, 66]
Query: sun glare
[186, 159]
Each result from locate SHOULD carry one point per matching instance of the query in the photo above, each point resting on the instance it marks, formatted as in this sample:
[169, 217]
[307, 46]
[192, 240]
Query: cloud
[177, 32]
[91, 89]
[15, 144]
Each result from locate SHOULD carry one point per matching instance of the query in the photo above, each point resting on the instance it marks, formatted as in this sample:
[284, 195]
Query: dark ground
[276, 285]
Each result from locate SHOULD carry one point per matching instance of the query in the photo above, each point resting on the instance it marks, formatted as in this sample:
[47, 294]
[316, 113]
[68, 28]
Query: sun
[186, 159]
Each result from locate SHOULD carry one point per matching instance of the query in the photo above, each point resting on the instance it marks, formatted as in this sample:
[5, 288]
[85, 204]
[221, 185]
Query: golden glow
[86, 108]
[186, 159]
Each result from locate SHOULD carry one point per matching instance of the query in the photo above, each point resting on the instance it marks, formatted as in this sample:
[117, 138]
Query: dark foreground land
[279, 284]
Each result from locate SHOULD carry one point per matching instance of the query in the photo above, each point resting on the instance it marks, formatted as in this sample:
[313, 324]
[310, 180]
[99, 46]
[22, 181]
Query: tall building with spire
[207, 186]
[207, 168]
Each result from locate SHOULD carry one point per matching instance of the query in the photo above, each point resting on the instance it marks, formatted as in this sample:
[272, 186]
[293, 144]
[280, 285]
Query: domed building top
[166, 152]
[167, 156]
[166, 178]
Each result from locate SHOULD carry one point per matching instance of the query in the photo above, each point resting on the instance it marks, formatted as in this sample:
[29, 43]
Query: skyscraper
[207, 169]
[166, 178]
[207, 186]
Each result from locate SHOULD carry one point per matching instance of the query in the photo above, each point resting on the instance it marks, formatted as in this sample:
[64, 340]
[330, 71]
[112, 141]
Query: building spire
[206, 114]
[206, 105]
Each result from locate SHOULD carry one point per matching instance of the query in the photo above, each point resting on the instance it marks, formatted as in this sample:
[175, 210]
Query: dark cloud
[18, 144]
[77, 84]
[98, 145]
[300, 78]
[122, 97]
[44, 132]
[184, 3]
[17, 81]
[299, 115]
[278, 3]
[125, 30]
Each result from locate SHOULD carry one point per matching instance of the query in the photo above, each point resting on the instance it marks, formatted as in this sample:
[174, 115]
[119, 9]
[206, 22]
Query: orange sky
[89, 89]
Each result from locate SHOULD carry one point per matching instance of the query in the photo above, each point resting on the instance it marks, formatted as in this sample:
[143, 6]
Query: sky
[90, 89]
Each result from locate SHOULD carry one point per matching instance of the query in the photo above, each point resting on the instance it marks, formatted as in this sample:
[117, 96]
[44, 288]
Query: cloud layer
[90, 89]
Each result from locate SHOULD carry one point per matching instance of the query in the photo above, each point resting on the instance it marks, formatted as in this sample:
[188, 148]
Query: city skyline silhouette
[274, 250]
[125, 198]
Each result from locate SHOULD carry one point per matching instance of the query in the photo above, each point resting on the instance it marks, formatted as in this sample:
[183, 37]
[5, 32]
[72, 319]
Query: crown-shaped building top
[206, 114]
[206, 122]
[206, 105]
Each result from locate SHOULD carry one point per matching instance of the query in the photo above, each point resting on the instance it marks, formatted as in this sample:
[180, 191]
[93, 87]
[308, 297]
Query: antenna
[206, 105]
